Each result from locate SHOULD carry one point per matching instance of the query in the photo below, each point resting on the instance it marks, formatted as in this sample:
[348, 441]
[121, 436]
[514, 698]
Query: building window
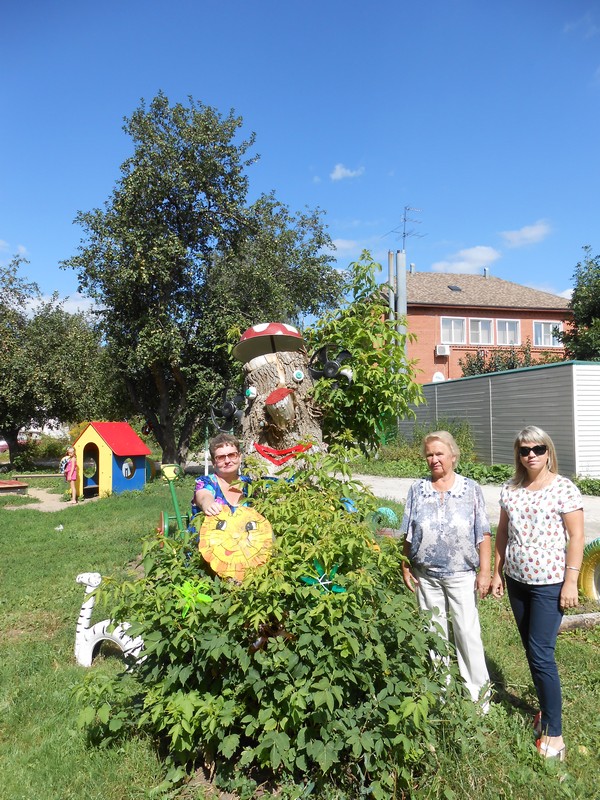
[544, 334]
[453, 330]
[480, 331]
[508, 331]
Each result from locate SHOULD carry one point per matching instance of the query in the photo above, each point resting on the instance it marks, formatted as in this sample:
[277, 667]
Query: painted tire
[589, 577]
[384, 517]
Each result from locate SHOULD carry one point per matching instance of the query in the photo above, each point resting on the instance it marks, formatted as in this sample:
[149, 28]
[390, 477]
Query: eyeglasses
[538, 450]
[226, 457]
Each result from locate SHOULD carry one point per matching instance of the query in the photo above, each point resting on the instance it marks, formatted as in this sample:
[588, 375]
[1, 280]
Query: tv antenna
[404, 230]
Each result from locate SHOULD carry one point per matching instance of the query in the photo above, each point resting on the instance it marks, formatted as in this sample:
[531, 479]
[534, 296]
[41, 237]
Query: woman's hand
[409, 579]
[212, 509]
[497, 586]
[482, 584]
[569, 596]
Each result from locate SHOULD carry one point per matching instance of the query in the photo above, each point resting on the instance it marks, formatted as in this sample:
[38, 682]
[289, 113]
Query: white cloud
[345, 247]
[72, 304]
[585, 26]
[528, 234]
[544, 287]
[469, 261]
[77, 302]
[340, 172]
[3, 245]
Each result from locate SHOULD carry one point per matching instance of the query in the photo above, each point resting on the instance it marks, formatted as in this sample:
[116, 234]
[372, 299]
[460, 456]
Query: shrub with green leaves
[322, 681]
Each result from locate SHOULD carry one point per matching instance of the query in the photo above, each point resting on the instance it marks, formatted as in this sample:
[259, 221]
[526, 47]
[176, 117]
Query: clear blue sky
[483, 115]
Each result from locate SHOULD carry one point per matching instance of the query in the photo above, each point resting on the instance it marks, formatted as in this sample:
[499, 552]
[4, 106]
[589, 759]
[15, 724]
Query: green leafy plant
[501, 359]
[589, 486]
[276, 679]
[383, 383]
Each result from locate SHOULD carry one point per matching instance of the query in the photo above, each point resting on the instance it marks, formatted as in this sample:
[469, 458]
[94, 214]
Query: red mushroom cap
[268, 337]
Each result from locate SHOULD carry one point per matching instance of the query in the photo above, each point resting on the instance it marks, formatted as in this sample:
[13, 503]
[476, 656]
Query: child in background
[71, 474]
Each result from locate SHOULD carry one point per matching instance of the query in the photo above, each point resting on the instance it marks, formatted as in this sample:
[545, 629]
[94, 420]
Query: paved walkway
[397, 489]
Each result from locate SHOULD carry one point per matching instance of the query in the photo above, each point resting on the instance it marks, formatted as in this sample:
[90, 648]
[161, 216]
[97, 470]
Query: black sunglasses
[538, 449]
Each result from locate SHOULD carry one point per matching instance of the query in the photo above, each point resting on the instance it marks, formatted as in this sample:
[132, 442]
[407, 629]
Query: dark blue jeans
[538, 616]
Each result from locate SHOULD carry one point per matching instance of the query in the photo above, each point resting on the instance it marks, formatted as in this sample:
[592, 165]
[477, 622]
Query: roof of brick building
[449, 289]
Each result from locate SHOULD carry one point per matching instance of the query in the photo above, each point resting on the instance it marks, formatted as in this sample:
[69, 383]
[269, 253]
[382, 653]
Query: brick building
[452, 315]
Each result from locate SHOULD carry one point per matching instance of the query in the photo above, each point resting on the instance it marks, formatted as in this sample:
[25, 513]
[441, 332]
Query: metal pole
[391, 293]
[400, 290]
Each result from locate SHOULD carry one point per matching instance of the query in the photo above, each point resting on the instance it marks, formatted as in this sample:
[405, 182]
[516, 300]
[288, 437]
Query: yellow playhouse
[111, 458]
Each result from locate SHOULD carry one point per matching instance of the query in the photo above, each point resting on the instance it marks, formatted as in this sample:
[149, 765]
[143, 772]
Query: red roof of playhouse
[121, 438]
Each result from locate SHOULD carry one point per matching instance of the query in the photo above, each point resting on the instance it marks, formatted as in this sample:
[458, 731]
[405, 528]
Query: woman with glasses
[447, 543]
[221, 488]
[539, 550]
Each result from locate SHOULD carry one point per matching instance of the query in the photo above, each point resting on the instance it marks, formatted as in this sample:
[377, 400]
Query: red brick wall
[425, 324]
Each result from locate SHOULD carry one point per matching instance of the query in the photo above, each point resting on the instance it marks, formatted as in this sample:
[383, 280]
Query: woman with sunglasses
[221, 488]
[539, 550]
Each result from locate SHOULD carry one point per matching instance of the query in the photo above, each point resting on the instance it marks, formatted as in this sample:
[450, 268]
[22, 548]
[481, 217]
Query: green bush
[278, 681]
[590, 486]
[460, 430]
[24, 456]
[484, 473]
[52, 446]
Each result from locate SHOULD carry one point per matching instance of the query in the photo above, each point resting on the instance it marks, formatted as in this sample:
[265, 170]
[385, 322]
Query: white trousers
[453, 600]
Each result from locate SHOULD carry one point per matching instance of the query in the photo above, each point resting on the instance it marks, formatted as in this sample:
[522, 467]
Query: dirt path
[48, 501]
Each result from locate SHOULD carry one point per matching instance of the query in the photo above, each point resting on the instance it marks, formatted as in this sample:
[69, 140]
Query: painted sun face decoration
[234, 543]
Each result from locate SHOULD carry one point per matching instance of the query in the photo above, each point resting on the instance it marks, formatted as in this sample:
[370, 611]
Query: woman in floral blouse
[540, 511]
[447, 544]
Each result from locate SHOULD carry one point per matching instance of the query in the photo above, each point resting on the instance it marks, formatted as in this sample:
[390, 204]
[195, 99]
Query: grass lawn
[44, 755]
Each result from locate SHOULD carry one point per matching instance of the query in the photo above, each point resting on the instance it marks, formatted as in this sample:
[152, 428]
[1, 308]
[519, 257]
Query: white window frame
[453, 339]
[542, 324]
[516, 343]
[491, 331]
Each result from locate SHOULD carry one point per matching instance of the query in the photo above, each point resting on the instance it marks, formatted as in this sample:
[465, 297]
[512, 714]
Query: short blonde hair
[536, 435]
[444, 437]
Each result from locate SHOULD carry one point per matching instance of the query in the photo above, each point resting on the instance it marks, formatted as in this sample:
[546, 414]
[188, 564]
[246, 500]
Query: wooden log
[586, 621]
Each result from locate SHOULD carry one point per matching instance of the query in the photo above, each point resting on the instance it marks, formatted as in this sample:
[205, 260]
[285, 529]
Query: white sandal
[546, 751]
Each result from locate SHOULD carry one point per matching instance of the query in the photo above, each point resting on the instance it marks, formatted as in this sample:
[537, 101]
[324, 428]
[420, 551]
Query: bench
[39, 475]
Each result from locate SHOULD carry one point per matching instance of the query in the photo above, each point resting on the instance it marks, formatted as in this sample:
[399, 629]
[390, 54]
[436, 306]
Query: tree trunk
[281, 414]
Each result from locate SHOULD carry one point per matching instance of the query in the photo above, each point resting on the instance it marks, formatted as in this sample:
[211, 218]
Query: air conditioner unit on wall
[442, 349]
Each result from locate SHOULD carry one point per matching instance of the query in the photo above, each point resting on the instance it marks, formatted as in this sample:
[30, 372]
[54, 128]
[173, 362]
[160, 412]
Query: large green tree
[49, 359]
[178, 256]
[582, 339]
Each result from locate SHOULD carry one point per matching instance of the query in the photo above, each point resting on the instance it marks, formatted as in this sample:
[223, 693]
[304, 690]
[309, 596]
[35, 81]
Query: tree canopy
[49, 358]
[582, 339]
[178, 256]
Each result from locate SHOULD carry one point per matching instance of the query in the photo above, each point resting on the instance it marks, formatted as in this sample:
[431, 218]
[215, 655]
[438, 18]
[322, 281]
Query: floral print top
[537, 538]
[211, 484]
[444, 529]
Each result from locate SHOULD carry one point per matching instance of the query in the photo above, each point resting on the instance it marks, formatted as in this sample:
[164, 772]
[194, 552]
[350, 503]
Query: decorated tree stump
[280, 421]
